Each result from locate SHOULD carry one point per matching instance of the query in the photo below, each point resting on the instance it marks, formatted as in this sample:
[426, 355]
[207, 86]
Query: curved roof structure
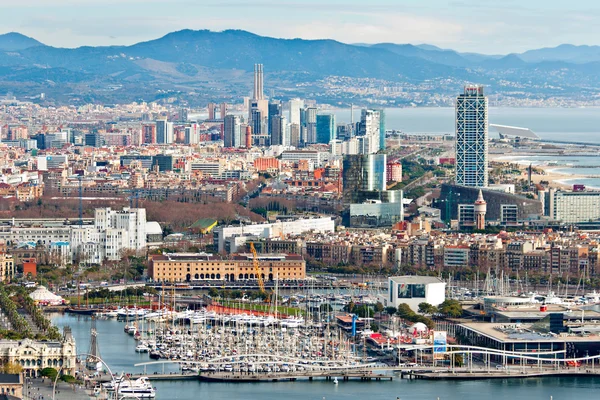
[514, 131]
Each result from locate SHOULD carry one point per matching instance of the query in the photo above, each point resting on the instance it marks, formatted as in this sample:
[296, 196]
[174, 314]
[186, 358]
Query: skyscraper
[381, 129]
[232, 131]
[257, 122]
[223, 111]
[258, 109]
[164, 131]
[363, 173]
[326, 129]
[295, 135]
[472, 137]
[191, 134]
[211, 111]
[258, 82]
[311, 125]
[278, 130]
[274, 110]
[295, 106]
[369, 130]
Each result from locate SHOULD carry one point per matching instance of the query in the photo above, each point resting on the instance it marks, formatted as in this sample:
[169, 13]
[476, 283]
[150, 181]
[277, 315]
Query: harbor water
[117, 350]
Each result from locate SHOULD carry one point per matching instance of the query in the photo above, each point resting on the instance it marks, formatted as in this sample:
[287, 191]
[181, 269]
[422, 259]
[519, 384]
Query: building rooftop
[414, 279]
[514, 332]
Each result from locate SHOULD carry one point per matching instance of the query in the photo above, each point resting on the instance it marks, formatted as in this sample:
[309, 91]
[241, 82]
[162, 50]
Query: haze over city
[475, 26]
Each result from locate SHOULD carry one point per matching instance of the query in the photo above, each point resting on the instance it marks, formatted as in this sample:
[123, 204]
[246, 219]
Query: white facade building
[413, 290]
[113, 231]
[574, 207]
[276, 229]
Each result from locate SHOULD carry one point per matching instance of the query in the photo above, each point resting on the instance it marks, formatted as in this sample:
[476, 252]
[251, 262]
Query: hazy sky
[486, 26]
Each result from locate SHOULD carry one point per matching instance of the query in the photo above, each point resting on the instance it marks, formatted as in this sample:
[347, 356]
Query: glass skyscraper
[472, 138]
[361, 174]
[326, 129]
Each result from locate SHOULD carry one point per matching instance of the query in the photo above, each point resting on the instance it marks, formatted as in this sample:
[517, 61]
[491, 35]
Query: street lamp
[86, 355]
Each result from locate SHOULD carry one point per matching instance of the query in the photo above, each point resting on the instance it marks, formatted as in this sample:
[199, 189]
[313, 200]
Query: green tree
[379, 307]
[391, 310]
[49, 372]
[426, 308]
[451, 308]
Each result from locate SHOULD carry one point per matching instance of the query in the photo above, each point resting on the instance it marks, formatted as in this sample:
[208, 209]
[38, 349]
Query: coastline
[552, 174]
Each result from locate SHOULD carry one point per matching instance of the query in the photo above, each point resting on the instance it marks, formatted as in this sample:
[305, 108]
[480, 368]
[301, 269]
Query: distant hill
[15, 41]
[198, 61]
[565, 52]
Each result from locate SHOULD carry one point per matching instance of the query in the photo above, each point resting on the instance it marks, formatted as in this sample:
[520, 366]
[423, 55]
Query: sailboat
[81, 310]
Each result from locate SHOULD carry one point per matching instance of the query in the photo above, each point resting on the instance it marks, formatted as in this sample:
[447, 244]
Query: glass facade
[363, 173]
[411, 291]
[326, 129]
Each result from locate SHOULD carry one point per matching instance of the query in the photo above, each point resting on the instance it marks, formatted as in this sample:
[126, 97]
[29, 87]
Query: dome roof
[419, 326]
[41, 294]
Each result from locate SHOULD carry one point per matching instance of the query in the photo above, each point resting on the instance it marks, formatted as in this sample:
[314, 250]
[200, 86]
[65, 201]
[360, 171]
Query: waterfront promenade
[41, 389]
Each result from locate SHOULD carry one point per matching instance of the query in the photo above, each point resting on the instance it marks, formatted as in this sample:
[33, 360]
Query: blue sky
[486, 26]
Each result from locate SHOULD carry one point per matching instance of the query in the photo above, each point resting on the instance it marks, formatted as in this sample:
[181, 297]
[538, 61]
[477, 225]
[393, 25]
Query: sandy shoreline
[552, 175]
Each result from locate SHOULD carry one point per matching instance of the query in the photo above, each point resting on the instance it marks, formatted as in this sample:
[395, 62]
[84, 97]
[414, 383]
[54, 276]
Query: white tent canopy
[42, 295]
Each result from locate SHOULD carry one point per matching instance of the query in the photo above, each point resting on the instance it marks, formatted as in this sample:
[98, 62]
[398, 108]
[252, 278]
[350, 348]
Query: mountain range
[197, 62]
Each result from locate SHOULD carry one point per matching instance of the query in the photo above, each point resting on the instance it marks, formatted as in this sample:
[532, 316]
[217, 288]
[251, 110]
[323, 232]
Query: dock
[500, 374]
[292, 376]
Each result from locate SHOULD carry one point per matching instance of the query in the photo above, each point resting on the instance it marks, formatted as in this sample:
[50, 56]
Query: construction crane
[261, 282]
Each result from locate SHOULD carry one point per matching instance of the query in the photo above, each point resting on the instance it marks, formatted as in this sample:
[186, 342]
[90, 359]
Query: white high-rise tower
[472, 137]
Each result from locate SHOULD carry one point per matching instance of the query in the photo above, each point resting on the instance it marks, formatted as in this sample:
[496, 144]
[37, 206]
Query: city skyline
[463, 26]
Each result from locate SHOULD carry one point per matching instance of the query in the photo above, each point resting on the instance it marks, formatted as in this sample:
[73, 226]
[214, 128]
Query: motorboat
[140, 388]
[142, 348]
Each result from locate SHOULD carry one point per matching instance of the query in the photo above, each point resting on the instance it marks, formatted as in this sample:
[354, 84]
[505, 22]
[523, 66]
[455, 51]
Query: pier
[236, 376]
[500, 374]
[293, 376]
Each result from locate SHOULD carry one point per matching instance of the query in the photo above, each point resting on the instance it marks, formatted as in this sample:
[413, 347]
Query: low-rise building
[182, 267]
[33, 356]
[413, 290]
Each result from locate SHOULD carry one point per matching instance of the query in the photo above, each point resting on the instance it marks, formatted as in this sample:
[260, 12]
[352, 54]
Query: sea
[117, 350]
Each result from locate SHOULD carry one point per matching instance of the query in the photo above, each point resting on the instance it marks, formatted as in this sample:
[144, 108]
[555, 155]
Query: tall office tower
[278, 130]
[258, 82]
[191, 134]
[232, 131]
[326, 129]
[295, 106]
[256, 121]
[223, 111]
[149, 133]
[369, 129]
[472, 137]
[295, 135]
[311, 125]
[161, 131]
[363, 173]
[382, 129]
[211, 111]
[274, 110]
